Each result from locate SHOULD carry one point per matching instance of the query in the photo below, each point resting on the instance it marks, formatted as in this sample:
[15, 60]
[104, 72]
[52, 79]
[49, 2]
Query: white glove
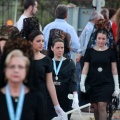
[75, 103]
[61, 114]
[116, 90]
[82, 82]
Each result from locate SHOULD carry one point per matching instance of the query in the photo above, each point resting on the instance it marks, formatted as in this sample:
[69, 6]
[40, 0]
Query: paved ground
[85, 116]
[89, 116]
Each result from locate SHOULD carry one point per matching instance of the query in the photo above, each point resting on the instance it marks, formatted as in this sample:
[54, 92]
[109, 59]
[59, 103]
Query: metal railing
[7, 11]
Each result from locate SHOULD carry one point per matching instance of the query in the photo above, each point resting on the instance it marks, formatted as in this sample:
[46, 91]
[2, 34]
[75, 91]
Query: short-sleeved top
[100, 71]
[66, 82]
[33, 107]
[39, 69]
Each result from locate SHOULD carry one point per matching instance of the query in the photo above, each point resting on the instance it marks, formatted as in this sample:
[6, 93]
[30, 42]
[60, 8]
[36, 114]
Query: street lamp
[98, 4]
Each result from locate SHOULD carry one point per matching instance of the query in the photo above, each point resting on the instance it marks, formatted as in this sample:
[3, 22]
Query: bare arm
[51, 88]
[114, 68]
[85, 68]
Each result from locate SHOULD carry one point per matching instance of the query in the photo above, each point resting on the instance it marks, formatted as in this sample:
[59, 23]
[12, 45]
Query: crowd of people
[37, 73]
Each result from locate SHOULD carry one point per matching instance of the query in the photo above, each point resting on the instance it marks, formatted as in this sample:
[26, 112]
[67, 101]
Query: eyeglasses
[12, 67]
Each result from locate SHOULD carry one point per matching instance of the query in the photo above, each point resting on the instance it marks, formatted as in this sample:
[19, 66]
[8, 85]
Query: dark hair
[102, 31]
[29, 24]
[118, 23]
[28, 3]
[61, 11]
[51, 44]
[105, 13]
[9, 32]
[20, 44]
[33, 34]
[56, 34]
[94, 16]
[112, 12]
[56, 40]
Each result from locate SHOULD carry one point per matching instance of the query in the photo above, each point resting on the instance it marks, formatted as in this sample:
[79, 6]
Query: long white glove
[61, 114]
[116, 89]
[75, 102]
[82, 82]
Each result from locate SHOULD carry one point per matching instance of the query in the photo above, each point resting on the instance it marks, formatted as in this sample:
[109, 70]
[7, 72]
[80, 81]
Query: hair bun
[57, 33]
[102, 24]
[9, 32]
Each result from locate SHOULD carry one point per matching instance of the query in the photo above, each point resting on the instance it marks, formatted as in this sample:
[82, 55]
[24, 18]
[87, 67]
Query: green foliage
[46, 8]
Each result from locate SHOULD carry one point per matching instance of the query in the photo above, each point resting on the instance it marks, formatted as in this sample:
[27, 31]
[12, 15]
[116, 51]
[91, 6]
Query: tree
[46, 9]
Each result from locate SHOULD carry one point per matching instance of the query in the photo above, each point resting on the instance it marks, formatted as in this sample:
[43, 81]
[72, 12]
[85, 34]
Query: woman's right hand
[59, 111]
[82, 87]
[116, 92]
[82, 82]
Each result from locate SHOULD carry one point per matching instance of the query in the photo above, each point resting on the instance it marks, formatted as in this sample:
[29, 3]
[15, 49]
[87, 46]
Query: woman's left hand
[75, 103]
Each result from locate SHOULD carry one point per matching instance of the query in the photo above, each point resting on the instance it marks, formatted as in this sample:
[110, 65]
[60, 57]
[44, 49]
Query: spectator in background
[86, 34]
[13, 41]
[60, 23]
[105, 13]
[101, 16]
[30, 9]
[3, 37]
[7, 33]
[117, 20]
[112, 13]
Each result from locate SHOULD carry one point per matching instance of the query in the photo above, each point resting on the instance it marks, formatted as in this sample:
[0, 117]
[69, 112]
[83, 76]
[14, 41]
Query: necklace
[57, 69]
[99, 49]
[15, 99]
[12, 114]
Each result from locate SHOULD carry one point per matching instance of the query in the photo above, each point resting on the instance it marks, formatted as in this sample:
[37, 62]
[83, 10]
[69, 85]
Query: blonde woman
[18, 102]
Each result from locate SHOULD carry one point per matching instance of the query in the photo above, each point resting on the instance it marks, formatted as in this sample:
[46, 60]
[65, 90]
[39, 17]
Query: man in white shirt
[30, 9]
[86, 33]
[60, 23]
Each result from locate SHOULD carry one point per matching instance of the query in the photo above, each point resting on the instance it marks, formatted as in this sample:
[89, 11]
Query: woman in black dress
[40, 75]
[63, 77]
[18, 102]
[99, 75]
